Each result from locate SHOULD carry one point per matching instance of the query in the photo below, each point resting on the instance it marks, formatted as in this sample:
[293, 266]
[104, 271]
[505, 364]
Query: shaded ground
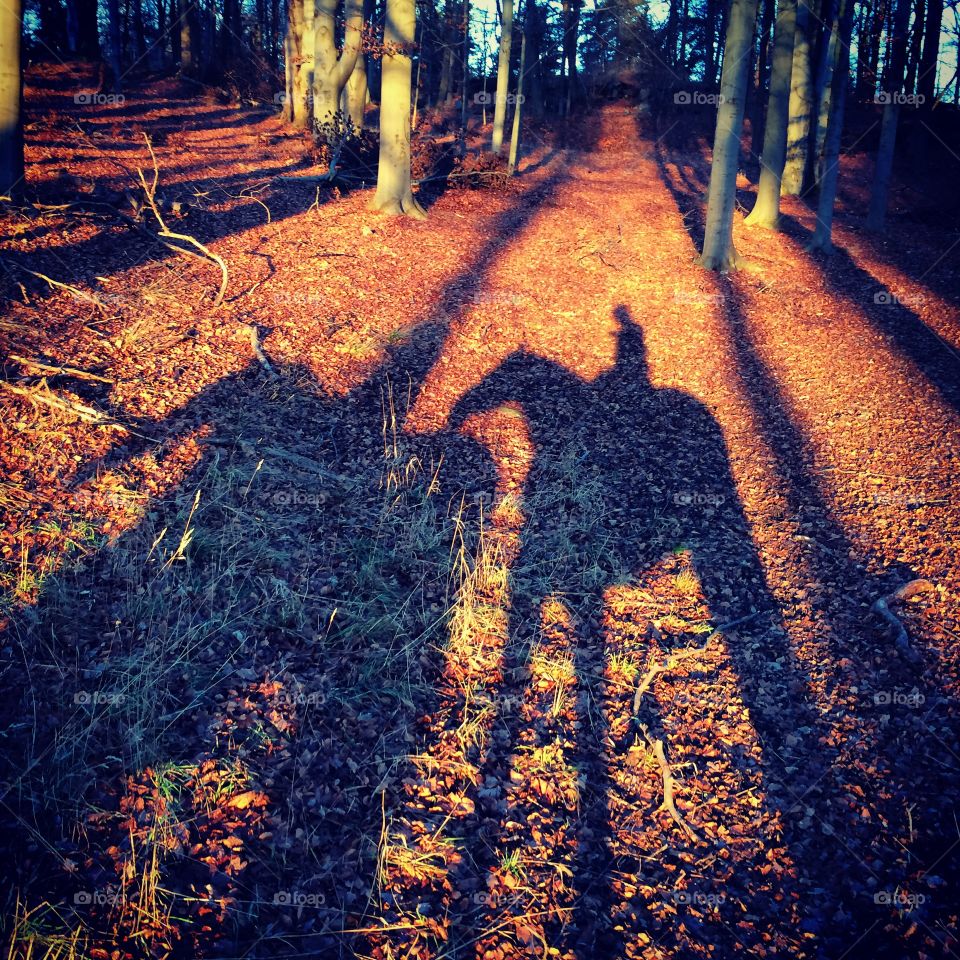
[352, 656]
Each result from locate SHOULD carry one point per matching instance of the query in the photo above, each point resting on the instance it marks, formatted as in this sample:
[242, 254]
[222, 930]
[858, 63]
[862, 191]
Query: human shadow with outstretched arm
[628, 480]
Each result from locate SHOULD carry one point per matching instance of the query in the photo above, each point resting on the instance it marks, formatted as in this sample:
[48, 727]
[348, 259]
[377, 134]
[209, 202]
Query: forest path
[532, 823]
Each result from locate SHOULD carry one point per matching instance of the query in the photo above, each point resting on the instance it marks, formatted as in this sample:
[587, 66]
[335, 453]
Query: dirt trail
[533, 821]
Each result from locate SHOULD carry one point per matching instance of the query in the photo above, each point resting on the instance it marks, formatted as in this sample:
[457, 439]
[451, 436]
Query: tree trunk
[503, 76]
[515, 133]
[303, 78]
[83, 15]
[763, 62]
[188, 36]
[292, 57]
[718, 249]
[332, 71]
[827, 40]
[883, 169]
[11, 101]
[840, 35]
[916, 47]
[927, 76]
[927, 82]
[394, 193]
[766, 211]
[116, 74]
[465, 84]
[357, 94]
[801, 104]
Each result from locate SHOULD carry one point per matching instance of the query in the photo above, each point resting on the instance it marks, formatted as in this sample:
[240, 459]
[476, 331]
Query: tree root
[258, 350]
[882, 608]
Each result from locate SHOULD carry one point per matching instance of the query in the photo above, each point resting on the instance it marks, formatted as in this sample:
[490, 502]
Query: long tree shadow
[843, 592]
[891, 315]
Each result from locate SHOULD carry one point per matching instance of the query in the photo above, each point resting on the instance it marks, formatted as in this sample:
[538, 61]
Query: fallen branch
[79, 410]
[675, 656]
[150, 192]
[89, 297]
[668, 803]
[59, 369]
[882, 608]
[258, 350]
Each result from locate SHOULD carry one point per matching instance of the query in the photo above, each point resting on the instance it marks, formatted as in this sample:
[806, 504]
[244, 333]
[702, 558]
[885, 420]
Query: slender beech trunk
[718, 250]
[823, 87]
[11, 101]
[927, 80]
[332, 71]
[801, 104]
[465, 85]
[757, 122]
[927, 76]
[394, 193]
[883, 169]
[766, 211]
[503, 75]
[303, 78]
[357, 94]
[114, 46]
[515, 133]
[188, 36]
[916, 47]
[842, 31]
[292, 57]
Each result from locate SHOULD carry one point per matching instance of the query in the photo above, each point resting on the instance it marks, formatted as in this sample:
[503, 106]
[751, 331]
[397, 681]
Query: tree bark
[515, 133]
[303, 78]
[758, 122]
[766, 211]
[11, 100]
[801, 104]
[827, 39]
[357, 94]
[718, 250]
[394, 191]
[503, 76]
[188, 36]
[841, 33]
[331, 70]
[114, 33]
[883, 169]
